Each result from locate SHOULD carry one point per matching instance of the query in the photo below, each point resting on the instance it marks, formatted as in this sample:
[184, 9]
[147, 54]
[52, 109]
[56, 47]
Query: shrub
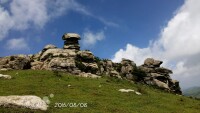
[118, 67]
[138, 74]
[80, 65]
[97, 59]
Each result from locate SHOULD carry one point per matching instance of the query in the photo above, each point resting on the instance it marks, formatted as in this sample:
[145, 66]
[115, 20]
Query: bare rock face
[86, 55]
[115, 74]
[50, 46]
[27, 101]
[150, 62]
[159, 76]
[127, 68]
[15, 62]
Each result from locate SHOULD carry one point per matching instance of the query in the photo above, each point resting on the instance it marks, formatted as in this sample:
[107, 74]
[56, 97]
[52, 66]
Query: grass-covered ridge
[101, 95]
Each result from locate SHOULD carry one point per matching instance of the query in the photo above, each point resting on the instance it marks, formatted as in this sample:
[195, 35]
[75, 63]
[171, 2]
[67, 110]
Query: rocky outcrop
[83, 63]
[15, 62]
[128, 68]
[159, 76]
[29, 101]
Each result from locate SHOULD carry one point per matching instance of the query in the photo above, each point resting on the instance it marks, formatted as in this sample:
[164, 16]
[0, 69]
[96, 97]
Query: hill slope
[101, 95]
[193, 92]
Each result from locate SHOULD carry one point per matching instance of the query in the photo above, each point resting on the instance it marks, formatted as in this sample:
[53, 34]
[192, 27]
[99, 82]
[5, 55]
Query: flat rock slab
[27, 101]
[129, 90]
[126, 90]
[5, 76]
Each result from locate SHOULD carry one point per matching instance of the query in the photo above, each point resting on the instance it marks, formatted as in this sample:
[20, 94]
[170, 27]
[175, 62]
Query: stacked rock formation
[71, 41]
[83, 63]
[159, 76]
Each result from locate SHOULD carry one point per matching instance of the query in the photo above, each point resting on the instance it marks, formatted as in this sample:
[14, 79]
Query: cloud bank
[178, 45]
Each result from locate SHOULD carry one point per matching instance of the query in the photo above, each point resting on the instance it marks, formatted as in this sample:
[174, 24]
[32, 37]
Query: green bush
[138, 74]
[118, 67]
[97, 59]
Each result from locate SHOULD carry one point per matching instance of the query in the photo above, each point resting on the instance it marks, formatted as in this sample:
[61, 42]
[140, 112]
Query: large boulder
[115, 74]
[61, 53]
[150, 62]
[36, 65]
[49, 46]
[163, 70]
[61, 64]
[89, 75]
[27, 101]
[160, 84]
[127, 68]
[85, 56]
[5, 76]
[15, 62]
[67, 36]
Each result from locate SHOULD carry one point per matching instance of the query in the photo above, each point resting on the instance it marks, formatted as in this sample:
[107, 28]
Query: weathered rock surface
[159, 76]
[15, 62]
[71, 41]
[27, 101]
[5, 76]
[129, 90]
[89, 75]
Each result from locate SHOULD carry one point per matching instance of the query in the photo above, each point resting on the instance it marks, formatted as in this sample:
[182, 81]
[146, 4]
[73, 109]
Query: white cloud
[17, 44]
[133, 53]
[23, 14]
[26, 12]
[90, 38]
[178, 46]
[6, 23]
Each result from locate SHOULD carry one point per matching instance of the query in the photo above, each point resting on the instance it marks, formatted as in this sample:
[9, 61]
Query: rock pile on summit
[71, 41]
[159, 76]
[83, 63]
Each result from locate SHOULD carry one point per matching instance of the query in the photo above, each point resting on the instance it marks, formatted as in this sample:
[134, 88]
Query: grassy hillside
[101, 95]
[193, 92]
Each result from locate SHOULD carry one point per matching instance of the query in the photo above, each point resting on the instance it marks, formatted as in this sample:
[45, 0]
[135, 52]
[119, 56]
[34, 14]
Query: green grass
[104, 99]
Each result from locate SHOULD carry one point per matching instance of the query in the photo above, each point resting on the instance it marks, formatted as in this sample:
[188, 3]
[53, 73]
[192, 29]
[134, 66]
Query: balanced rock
[71, 41]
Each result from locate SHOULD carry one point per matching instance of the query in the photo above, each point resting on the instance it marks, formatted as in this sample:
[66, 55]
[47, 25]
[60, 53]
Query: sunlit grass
[101, 95]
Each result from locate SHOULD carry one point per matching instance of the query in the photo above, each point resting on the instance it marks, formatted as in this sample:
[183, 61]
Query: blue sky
[167, 30]
[134, 21]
